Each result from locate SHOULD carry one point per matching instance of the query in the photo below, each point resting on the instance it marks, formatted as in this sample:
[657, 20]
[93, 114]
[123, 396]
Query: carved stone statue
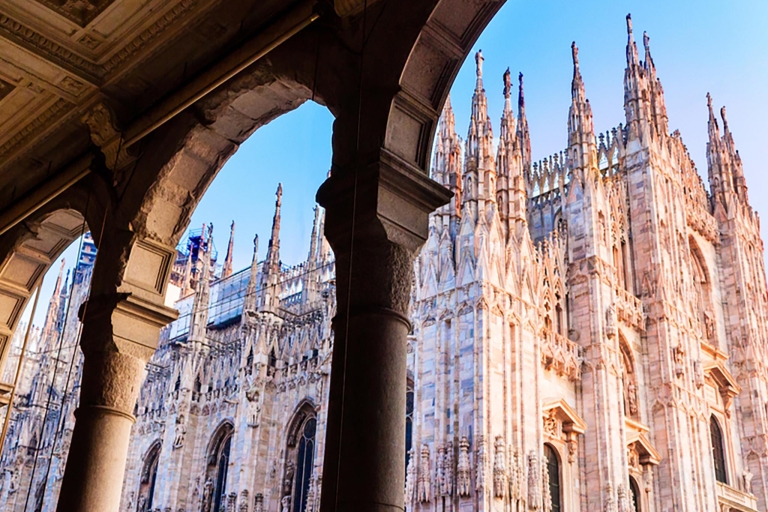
[258, 503]
[632, 398]
[207, 496]
[747, 479]
[463, 469]
[410, 478]
[423, 487]
[499, 468]
[610, 500]
[534, 482]
[285, 504]
[447, 484]
[480, 469]
[610, 321]
[181, 431]
[243, 506]
[288, 478]
[621, 493]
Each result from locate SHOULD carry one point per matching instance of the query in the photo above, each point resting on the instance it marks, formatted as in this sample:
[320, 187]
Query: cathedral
[587, 333]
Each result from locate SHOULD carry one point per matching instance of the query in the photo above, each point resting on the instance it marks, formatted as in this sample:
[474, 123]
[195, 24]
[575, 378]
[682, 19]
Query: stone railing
[561, 355]
[734, 499]
[701, 221]
[629, 309]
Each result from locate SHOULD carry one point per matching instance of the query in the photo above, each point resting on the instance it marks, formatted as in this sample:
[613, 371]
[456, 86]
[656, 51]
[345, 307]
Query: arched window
[305, 462]
[553, 471]
[218, 466]
[634, 494]
[718, 450]
[300, 457]
[148, 478]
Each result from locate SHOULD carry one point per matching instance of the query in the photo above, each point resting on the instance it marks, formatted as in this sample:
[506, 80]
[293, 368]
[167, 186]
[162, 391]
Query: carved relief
[481, 462]
[534, 482]
[463, 469]
[424, 484]
[499, 468]
[410, 478]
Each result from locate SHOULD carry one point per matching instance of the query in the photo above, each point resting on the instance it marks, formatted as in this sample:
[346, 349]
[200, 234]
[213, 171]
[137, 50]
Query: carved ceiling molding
[32, 130]
[15, 31]
[79, 12]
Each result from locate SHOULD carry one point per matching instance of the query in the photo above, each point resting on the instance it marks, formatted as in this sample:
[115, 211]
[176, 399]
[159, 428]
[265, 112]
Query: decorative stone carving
[285, 504]
[288, 478]
[499, 468]
[423, 487]
[181, 431]
[551, 424]
[309, 506]
[623, 501]
[547, 497]
[534, 482]
[258, 503]
[463, 468]
[106, 136]
[243, 506]
[561, 355]
[207, 496]
[410, 478]
[481, 462]
[746, 478]
[631, 390]
[231, 502]
[611, 327]
[679, 355]
[698, 374]
[610, 499]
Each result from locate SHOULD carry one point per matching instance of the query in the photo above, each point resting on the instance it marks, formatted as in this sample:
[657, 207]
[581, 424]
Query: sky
[698, 47]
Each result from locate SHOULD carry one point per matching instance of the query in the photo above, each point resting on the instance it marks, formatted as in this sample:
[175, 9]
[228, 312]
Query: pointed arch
[300, 455]
[217, 467]
[148, 477]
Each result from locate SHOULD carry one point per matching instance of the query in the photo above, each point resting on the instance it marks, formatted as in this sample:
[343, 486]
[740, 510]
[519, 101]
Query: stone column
[377, 220]
[120, 333]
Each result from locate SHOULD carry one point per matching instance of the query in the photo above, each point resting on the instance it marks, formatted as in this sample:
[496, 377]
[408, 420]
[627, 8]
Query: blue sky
[698, 47]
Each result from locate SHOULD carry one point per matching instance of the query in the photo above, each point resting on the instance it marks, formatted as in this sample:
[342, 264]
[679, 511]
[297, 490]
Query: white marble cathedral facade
[589, 330]
[588, 335]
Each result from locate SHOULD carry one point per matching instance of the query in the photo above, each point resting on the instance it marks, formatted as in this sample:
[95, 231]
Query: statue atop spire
[523, 135]
[507, 84]
[575, 54]
[479, 68]
[226, 270]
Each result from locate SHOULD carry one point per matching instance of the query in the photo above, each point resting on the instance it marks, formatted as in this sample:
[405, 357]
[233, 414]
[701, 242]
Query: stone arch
[224, 429]
[148, 476]
[28, 250]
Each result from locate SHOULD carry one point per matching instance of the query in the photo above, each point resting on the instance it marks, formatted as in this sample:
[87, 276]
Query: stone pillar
[120, 333]
[377, 220]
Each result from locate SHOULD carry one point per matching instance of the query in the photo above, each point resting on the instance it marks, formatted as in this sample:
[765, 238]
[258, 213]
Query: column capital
[123, 322]
[392, 194]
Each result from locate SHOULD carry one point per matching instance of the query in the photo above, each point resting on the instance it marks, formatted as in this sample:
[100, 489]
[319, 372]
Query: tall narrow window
[221, 475]
[718, 450]
[148, 478]
[305, 462]
[408, 421]
[634, 493]
[217, 468]
[553, 470]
